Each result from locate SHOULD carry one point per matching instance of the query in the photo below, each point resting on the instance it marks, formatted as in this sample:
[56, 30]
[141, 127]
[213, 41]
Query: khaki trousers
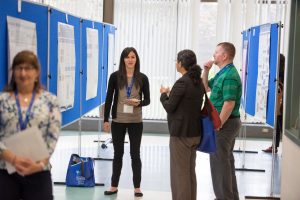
[183, 162]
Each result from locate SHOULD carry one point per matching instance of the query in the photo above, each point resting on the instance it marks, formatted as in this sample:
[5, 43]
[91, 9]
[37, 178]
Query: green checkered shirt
[226, 86]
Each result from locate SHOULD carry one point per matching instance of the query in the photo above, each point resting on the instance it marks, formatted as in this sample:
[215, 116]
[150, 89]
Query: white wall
[158, 29]
[290, 172]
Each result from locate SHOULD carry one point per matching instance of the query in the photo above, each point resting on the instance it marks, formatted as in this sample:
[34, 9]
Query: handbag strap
[206, 97]
[91, 163]
[73, 158]
[82, 167]
[206, 102]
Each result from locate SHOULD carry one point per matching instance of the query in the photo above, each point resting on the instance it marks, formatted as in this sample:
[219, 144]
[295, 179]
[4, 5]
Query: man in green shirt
[226, 91]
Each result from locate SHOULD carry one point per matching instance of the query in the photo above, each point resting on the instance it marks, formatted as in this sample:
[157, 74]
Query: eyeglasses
[25, 68]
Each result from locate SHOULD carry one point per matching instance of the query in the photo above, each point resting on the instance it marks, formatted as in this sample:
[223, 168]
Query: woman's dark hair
[188, 60]
[21, 58]
[122, 79]
[281, 67]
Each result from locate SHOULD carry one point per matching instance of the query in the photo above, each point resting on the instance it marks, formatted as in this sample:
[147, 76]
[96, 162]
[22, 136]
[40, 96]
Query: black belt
[233, 117]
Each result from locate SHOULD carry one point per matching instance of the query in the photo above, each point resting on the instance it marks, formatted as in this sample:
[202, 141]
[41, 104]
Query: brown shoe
[269, 150]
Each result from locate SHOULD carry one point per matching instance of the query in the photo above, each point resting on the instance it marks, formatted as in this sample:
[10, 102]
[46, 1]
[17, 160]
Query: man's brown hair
[228, 48]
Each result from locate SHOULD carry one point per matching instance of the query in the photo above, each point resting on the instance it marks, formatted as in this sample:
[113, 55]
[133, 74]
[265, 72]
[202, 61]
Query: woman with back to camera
[128, 88]
[183, 106]
[25, 105]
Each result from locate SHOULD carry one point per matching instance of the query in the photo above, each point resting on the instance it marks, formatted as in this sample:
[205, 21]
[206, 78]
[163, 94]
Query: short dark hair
[228, 48]
[24, 57]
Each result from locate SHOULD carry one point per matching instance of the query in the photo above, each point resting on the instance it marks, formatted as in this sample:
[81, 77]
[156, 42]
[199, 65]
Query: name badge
[128, 109]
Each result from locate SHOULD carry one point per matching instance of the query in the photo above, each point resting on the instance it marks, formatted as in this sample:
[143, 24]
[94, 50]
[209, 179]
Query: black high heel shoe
[138, 194]
[110, 192]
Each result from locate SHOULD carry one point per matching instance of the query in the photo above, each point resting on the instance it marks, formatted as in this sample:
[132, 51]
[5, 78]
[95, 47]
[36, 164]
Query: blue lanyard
[223, 70]
[128, 91]
[23, 124]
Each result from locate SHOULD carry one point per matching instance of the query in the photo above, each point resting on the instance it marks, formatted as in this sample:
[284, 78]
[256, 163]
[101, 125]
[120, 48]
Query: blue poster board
[251, 80]
[43, 17]
[252, 72]
[88, 105]
[40, 18]
[56, 16]
[108, 29]
[274, 68]
[245, 56]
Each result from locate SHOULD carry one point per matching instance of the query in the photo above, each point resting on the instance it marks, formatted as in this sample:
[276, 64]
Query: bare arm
[226, 111]
[8, 156]
[207, 67]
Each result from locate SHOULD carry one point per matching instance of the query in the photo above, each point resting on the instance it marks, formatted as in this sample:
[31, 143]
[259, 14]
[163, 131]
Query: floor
[156, 177]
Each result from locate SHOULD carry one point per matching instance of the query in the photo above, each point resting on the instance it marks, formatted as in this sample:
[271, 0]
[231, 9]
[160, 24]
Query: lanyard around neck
[128, 90]
[223, 70]
[23, 124]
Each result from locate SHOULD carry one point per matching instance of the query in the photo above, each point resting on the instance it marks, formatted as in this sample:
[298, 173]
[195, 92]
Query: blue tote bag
[208, 140]
[80, 172]
[210, 121]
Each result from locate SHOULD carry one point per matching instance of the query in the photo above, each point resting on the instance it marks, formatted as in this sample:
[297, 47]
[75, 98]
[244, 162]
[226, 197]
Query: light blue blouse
[45, 114]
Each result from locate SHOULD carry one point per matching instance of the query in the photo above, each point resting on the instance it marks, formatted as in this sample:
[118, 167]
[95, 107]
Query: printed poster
[66, 66]
[263, 73]
[92, 63]
[21, 36]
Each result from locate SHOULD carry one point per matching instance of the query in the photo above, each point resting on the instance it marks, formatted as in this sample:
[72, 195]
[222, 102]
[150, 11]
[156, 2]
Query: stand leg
[256, 197]
[64, 183]
[243, 152]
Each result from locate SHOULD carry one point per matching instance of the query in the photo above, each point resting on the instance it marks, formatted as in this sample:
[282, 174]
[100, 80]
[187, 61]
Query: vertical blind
[88, 9]
[158, 29]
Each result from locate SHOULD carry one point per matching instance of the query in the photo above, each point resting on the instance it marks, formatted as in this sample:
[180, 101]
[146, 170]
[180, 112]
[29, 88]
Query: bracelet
[14, 160]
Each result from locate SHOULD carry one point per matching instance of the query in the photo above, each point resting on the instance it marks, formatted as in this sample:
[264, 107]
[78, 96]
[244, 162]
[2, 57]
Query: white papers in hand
[28, 143]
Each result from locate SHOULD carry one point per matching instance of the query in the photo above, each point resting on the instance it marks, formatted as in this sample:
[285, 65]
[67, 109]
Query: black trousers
[118, 131]
[33, 187]
[278, 130]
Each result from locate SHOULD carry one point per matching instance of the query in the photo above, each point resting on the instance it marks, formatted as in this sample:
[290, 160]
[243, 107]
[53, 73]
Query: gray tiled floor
[155, 178]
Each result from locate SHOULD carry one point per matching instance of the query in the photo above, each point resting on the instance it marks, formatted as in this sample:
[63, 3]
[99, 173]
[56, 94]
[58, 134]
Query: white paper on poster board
[92, 63]
[111, 50]
[21, 36]
[66, 66]
[28, 143]
[263, 73]
[244, 68]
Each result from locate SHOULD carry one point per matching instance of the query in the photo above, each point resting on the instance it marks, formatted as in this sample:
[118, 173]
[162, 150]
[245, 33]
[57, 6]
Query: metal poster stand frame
[272, 195]
[100, 111]
[244, 129]
[80, 119]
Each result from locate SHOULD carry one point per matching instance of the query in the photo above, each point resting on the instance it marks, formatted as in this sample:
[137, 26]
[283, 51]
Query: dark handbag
[80, 172]
[210, 111]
